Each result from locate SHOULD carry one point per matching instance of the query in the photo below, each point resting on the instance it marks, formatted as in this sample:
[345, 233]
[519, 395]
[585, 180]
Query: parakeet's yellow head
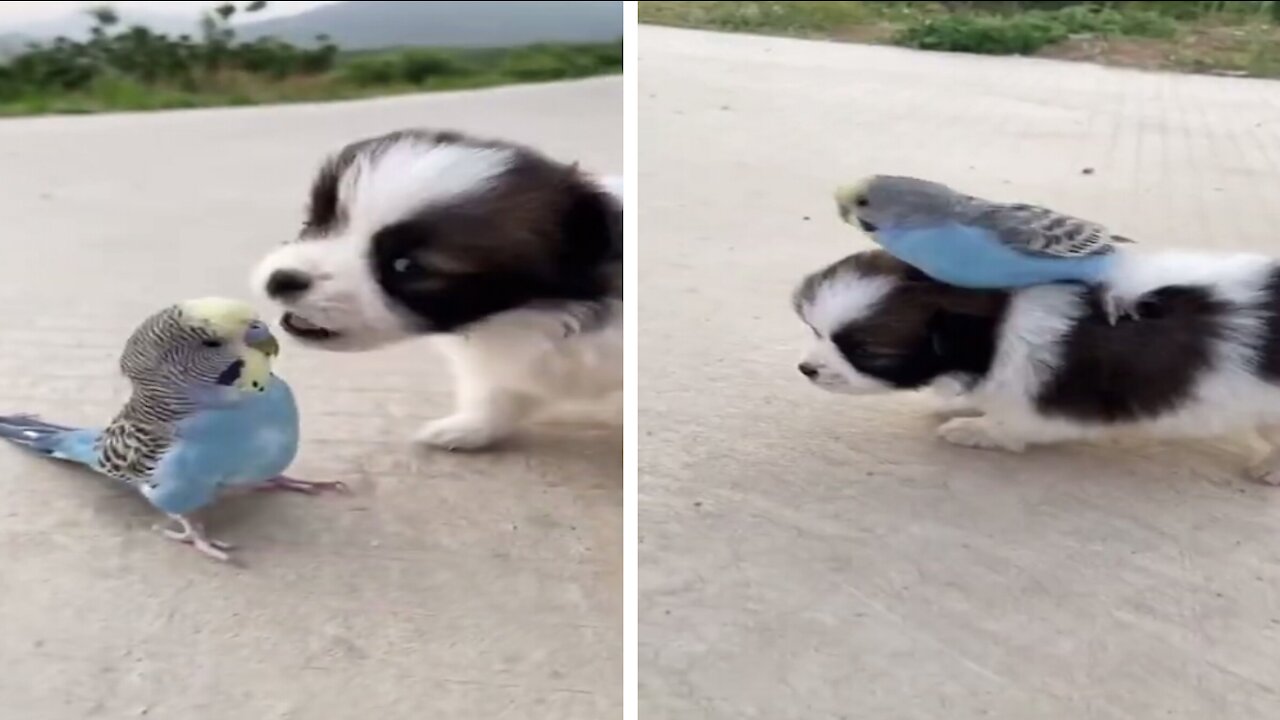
[201, 348]
[851, 198]
[880, 200]
[847, 195]
[236, 323]
[231, 320]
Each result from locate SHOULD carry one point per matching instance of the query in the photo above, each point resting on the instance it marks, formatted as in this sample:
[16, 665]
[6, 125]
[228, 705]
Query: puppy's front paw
[949, 411]
[460, 432]
[978, 433]
[1264, 471]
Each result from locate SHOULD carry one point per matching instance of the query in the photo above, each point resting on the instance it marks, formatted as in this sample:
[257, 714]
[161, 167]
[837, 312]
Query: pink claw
[192, 533]
[309, 487]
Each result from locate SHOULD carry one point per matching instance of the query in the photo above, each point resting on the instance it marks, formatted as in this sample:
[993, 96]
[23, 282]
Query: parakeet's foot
[1118, 307]
[193, 534]
[308, 487]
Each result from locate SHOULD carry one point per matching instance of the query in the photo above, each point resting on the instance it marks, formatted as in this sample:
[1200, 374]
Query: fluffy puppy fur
[510, 260]
[1042, 365]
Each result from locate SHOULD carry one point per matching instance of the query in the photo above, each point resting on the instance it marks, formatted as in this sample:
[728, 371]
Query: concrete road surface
[807, 556]
[447, 587]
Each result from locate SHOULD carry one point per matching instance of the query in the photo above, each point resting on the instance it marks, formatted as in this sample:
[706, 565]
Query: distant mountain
[372, 24]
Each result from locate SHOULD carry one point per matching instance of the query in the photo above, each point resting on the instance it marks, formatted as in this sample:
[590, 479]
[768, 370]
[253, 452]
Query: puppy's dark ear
[910, 273]
[591, 229]
[322, 204]
[947, 331]
[962, 340]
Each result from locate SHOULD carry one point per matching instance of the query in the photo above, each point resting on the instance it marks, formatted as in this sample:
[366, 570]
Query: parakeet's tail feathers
[78, 445]
[1122, 239]
[31, 432]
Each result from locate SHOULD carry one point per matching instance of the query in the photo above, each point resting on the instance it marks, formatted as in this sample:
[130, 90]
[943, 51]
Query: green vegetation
[793, 18]
[1028, 32]
[137, 69]
[1232, 37]
[439, 69]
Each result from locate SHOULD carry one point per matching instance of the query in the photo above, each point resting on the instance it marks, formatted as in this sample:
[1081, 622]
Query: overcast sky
[19, 13]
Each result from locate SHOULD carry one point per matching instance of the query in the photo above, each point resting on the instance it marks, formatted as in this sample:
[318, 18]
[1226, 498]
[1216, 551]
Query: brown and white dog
[511, 260]
[1042, 365]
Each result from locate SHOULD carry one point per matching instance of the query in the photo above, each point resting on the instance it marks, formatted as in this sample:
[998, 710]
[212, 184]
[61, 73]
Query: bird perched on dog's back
[970, 242]
[206, 416]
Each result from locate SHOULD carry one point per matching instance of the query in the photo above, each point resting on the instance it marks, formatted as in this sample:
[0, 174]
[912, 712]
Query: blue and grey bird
[970, 242]
[206, 416]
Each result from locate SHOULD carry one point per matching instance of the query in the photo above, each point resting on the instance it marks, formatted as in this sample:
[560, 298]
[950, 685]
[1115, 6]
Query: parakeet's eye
[212, 343]
[861, 201]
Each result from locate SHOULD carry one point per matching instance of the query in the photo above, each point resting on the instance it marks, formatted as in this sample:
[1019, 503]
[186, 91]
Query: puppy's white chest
[580, 366]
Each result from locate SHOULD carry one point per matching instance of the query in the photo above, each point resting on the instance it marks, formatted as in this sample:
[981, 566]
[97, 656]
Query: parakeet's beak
[259, 338]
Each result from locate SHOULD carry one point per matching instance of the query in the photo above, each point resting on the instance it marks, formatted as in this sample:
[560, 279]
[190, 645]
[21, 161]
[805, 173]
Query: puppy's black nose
[808, 370]
[287, 283]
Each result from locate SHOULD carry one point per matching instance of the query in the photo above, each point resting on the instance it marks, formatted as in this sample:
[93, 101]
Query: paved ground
[809, 556]
[446, 587]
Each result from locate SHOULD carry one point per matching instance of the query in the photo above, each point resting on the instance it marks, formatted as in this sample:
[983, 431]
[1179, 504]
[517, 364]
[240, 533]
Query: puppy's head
[880, 325]
[420, 232]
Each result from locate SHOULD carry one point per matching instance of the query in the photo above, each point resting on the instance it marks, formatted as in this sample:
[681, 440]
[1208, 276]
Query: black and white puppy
[1042, 365]
[512, 261]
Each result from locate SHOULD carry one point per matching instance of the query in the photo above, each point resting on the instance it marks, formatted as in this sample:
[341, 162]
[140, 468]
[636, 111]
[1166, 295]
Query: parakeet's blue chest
[243, 444]
[974, 257]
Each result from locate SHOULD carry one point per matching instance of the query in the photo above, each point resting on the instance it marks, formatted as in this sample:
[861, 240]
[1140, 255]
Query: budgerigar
[970, 242]
[206, 416]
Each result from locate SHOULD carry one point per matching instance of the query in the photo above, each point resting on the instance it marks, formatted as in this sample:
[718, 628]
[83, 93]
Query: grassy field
[355, 76]
[1233, 38]
[136, 69]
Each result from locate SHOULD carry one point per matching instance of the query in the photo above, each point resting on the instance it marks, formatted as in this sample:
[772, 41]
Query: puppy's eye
[403, 265]
[212, 343]
[874, 359]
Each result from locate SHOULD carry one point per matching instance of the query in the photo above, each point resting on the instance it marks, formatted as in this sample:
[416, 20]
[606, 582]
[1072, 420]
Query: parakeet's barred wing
[1041, 231]
[160, 359]
[129, 450]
